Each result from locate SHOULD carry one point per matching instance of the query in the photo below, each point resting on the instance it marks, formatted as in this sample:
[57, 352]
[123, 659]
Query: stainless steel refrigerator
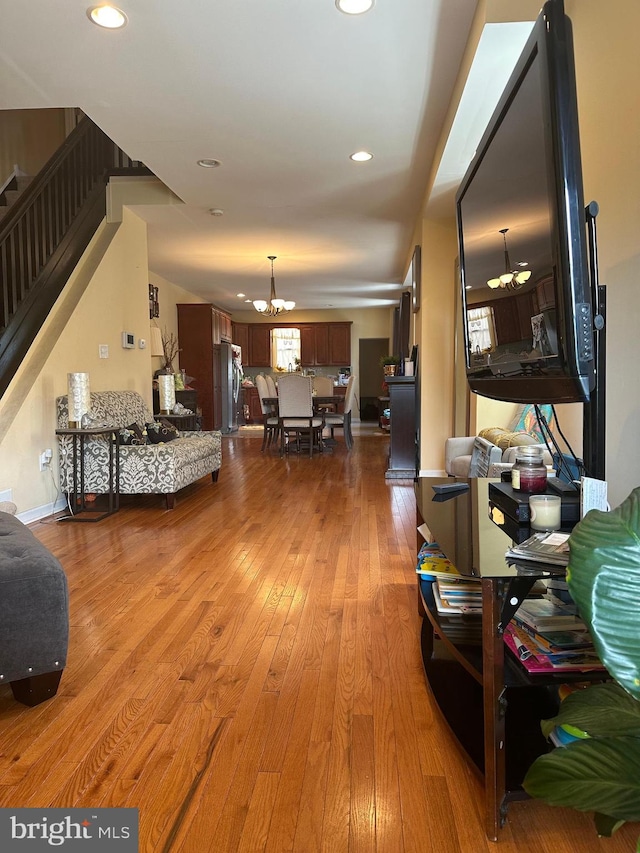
[231, 378]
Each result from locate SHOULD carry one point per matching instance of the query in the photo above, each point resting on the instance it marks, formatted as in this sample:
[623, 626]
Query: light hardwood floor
[246, 671]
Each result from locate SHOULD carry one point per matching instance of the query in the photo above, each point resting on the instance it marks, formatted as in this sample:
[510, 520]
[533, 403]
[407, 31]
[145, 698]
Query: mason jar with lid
[529, 474]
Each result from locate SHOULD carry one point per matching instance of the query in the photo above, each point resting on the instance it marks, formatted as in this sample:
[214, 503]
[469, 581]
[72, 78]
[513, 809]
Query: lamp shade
[156, 342]
[78, 397]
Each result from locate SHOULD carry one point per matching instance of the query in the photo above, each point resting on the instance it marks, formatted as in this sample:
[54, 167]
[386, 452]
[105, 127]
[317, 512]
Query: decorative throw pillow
[131, 435]
[160, 432]
[504, 438]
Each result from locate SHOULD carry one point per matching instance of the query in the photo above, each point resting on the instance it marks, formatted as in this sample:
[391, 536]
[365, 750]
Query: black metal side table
[186, 422]
[79, 499]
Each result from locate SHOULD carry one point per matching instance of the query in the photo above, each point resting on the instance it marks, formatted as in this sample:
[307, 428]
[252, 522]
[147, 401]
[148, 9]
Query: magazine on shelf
[432, 562]
[544, 547]
[453, 590]
[554, 641]
[542, 614]
[555, 655]
[456, 608]
[519, 644]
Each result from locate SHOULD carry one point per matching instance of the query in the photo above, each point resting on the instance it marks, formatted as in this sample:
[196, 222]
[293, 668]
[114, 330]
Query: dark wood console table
[402, 441]
[492, 705]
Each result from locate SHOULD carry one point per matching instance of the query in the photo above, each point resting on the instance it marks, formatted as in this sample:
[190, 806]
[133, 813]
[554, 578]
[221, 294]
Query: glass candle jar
[529, 474]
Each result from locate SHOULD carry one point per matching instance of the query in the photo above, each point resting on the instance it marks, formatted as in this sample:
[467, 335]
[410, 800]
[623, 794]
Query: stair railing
[46, 231]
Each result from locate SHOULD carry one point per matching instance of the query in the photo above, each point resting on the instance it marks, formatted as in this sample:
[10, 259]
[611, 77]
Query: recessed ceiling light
[216, 211]
[240, 295]
[206, 163]
[249, 300]
[354, 7]
[361, 156]
[107, 16]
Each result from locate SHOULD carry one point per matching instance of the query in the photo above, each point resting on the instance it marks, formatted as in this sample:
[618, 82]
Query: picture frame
[416, 262]
[154, 305]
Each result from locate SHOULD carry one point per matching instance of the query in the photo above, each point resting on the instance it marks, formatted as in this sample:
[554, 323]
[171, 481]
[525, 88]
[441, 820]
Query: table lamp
[79, 398]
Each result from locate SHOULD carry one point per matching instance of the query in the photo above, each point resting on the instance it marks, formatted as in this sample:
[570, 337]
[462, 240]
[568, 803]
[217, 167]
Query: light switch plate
[103, 350]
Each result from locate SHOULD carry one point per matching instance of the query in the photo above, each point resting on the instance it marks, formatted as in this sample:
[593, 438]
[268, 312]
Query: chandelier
[510, 279]
[274, 306]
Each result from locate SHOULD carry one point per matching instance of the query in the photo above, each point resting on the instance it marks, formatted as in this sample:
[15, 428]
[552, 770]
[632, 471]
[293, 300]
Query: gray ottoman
[34, 614]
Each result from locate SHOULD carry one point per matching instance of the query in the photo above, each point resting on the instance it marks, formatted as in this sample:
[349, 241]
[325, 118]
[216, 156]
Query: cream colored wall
[607, 71]
[28, 138]
[608, 80]
[115, 300]
[436, 341]
[169, 295]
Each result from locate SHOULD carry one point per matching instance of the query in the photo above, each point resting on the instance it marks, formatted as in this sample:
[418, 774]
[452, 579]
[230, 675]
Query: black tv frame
[570, 377]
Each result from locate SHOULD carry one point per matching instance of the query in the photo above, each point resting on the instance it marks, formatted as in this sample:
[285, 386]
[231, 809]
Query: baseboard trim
[425, 472]
[40, 512]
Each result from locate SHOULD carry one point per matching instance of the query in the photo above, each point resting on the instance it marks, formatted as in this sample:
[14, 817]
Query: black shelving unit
[492, 705]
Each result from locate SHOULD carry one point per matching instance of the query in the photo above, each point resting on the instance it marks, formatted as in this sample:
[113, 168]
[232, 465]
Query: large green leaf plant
[600, 773]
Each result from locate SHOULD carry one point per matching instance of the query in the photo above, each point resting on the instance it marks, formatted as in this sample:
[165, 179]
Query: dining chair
[323, 387]
[273, 391]
[343, 421]
[269, 416]
[295, 408]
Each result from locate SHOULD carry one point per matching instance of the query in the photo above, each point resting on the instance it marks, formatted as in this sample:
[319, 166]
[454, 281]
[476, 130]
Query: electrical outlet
[45, 459]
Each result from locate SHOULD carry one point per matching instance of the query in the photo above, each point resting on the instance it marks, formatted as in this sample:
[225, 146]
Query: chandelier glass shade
[274, 306]
[511, 279]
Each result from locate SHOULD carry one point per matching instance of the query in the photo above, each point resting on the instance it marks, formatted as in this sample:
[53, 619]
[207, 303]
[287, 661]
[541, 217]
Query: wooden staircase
[46, 223]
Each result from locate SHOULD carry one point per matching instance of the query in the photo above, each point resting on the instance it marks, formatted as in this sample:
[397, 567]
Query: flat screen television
[522, 236]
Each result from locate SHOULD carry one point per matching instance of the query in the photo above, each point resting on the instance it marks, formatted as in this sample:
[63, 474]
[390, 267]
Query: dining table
[332, 399]
[318, 401]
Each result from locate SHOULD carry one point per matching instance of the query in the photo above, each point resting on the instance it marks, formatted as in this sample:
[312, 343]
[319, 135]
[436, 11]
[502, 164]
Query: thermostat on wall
[128, 340]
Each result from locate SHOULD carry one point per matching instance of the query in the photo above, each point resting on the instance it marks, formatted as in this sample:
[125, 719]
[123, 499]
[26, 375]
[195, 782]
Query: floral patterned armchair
[144, 468]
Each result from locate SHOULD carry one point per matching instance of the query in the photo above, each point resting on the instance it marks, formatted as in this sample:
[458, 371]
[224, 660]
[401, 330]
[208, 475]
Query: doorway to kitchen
[371, 376]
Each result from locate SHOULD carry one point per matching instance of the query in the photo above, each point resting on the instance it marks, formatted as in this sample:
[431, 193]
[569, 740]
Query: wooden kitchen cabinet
[240, 337]
[253, 409]
[512, 316]
[225, 327]
[506, 321]
[321, 344]
[546, 294]
[198, 328]
[339, 336]
[259, 335]
[307, 346]
[324, 344]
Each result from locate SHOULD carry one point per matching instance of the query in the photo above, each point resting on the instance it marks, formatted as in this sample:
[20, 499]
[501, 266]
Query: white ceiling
[280, 92]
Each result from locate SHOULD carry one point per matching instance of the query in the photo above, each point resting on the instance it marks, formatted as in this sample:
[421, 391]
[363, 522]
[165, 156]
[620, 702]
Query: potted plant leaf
[600, 771]
[389, 363]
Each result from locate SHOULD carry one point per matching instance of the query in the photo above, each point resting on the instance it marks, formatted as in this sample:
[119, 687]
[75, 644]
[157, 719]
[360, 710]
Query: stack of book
[432, 562]
[551, 548]
[548, 636]
[454, 596]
